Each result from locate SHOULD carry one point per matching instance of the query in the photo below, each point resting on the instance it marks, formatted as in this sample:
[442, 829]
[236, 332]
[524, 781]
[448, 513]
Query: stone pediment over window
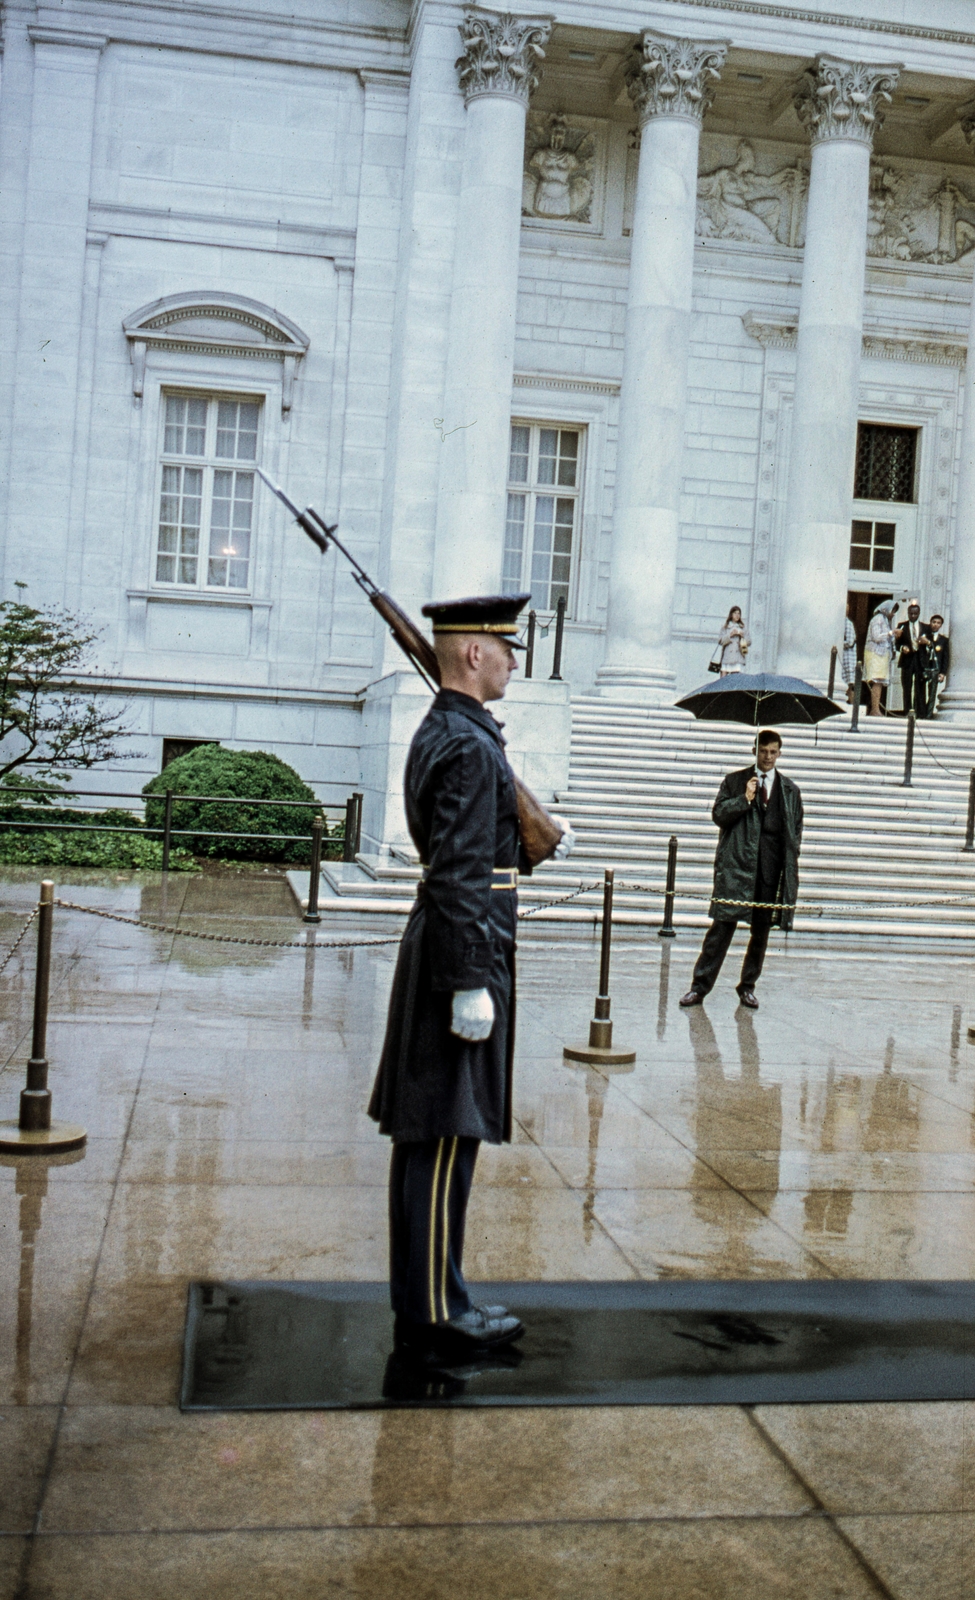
[215, 324]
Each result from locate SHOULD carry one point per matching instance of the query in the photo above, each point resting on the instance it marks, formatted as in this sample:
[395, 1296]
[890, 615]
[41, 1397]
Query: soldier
[444, 1080]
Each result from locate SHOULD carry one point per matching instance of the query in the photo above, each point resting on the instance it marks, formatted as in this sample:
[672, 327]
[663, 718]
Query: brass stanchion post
[857, 691]
[312, 913]
[167, 829]
[34, 1129]
[969, 844]
[556, 671]
[906, 782]
[832, 673]
[599, 1051]
[667, 929]
[530, 652]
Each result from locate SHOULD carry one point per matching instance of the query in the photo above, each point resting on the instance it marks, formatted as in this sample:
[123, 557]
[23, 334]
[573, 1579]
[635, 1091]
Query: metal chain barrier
[266, 944]
[227, 938]
[584, 888]
[18, 941]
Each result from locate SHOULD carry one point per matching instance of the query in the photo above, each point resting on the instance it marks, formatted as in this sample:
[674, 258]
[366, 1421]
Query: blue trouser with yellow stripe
[429, 1186]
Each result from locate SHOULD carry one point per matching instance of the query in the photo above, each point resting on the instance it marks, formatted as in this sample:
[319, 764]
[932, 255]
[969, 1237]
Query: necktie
[763, 792]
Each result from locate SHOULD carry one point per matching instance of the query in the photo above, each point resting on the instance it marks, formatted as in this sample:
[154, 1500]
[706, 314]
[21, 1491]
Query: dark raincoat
[736, 858]
[462, 813]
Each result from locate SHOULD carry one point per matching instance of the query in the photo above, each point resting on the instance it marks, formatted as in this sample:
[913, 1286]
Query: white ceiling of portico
[584, 73]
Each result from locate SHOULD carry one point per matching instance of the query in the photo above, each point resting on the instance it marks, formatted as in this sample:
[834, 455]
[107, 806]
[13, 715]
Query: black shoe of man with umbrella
[759, 813]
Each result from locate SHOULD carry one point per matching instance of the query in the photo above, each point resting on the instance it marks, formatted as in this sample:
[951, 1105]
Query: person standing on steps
[848, 660]
[733, 644]
[756, 868]
[938, 661]
[444, 1079]
[910, 643]
[877, 654]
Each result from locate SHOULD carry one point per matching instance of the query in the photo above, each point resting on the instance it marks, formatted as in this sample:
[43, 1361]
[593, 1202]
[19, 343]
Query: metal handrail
[159, 794]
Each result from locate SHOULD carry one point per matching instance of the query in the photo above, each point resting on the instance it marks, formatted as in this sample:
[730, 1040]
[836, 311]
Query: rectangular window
[885, 463]
[206, 500]
[544, 487]
[872, 546]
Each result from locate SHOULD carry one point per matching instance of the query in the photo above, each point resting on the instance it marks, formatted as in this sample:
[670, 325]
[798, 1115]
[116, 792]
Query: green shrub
[242, 774]
[32, 847]
[37, 849]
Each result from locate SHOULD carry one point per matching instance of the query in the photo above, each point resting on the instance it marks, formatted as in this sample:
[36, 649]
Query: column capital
[674, 77]
[838, 99]
[501, 53]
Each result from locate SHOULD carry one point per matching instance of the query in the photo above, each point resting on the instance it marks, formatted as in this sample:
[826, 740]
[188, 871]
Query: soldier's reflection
[738, 1120]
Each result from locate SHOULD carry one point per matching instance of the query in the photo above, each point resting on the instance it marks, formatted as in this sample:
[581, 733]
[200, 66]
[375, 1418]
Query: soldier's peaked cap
[483, 613]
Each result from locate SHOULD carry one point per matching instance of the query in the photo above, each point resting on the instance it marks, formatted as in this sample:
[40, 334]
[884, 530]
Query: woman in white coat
[733, 644]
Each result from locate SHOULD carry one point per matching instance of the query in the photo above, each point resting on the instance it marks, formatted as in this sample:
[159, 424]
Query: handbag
[714, 665]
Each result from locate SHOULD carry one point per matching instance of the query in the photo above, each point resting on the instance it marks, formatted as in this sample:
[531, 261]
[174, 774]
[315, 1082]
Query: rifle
[539, 834]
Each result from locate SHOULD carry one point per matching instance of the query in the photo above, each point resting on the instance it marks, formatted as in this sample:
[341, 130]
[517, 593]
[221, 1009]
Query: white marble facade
[370, 238]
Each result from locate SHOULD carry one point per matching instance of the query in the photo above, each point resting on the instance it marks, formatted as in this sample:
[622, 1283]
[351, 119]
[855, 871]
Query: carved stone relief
[737, 201]
[755, 192]
[560, 177]
[917, 215]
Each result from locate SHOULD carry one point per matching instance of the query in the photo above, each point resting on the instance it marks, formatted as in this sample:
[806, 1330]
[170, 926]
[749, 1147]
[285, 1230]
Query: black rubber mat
[310, 1346]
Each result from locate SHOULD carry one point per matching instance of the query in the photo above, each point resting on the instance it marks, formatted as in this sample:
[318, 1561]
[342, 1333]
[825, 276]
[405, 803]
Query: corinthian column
[958, 699]
[671, 84]
[842, 105]
[498, 71]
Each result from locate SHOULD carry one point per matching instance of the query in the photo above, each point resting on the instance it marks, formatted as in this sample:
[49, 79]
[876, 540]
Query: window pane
[861, 532]
[548, 450]
[185, 426]
[885, 462]
[180, 507]
[568, 458]
[237, 430]
[883, 533]
[883, 561]
[514, 544]
[230, 525]
[859, 558]
[518, 466]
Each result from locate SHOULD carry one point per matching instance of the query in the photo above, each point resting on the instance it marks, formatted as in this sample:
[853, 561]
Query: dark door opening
[862, 607]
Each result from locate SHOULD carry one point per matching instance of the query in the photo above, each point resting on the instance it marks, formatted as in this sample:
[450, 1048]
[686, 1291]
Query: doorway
[863, 604]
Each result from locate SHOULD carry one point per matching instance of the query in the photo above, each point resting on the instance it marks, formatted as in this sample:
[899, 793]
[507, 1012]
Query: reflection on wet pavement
[830, 1135]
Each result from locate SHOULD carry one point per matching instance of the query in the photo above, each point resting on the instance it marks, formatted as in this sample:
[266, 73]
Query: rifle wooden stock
[539, 834]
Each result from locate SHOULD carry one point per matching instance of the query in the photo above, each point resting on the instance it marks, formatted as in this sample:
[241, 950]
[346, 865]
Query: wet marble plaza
[832, 1134]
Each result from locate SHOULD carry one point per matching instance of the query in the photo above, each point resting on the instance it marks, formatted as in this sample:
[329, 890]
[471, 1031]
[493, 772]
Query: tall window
[207, 502]
[885, 463]
[544, 483]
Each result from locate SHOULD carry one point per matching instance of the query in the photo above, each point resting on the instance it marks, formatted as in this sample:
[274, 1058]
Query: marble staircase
[877, 858]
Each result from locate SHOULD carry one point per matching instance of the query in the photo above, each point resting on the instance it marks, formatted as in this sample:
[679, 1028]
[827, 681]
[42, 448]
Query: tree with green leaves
[48, 722]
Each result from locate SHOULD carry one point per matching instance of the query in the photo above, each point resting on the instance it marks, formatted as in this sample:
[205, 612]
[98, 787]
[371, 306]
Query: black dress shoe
[472, 1330]
[693, 997]
[746, 997]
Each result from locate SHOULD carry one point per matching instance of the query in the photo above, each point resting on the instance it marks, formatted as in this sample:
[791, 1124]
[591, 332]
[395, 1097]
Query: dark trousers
[717, 942]
[429, 1186]
[915, 688]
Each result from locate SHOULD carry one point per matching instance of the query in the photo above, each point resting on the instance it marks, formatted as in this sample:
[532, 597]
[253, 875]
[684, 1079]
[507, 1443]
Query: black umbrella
[758, 697]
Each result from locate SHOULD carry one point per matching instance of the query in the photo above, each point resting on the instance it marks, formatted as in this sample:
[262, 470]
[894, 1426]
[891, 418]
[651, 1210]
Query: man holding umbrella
[756, 867]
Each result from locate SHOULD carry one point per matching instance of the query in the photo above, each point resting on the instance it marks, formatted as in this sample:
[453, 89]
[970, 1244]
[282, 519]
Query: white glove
[473, 1014]
[567, 840]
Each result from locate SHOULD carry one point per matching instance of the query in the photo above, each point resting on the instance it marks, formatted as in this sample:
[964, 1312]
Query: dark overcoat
[462, 813]
[737, 857]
